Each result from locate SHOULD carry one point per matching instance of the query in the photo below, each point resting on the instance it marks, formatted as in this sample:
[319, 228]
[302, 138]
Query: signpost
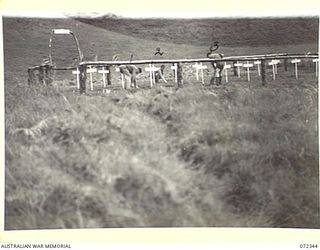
[77, 72]
[91, 70]
[104, 71]
[238, 65]
[296, 61]
[248, 66]
[226, 67]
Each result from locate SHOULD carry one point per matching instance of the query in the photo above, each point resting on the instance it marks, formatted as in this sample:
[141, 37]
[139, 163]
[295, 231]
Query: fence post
[82, 78]
[108, 75]
[179, 74]
[285, 62]
[263, 71]
[235, 73]
[48, 74]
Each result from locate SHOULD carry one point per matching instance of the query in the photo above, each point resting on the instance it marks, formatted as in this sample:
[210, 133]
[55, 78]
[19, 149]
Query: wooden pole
[82, 78]
[285, 62]
[179, 74]
[263, 71]
[108, 75]
[235, 73]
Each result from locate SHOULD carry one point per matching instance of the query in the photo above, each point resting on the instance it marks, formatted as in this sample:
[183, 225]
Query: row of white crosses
[91, 70]
[296, 61]
[152, 69]
[274, 64]
[199, 66]
[248, 66]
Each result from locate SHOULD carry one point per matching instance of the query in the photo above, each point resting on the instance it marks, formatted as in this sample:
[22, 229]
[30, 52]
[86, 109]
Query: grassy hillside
[235, 155]
[230, 32]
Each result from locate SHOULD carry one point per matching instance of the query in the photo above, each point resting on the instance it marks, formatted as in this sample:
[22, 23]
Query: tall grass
[236, 155]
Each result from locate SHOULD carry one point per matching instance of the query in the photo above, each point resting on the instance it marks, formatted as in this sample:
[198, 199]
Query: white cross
[175, 69]
[238, 65]
[122, 76]
[316, 61]
[226, 67]
[104, 71]
[258, 64]
[272, 63]
[248, 66]
[91, 70]
[276, 62]
[151, 70]
[77, 72]
[196, 66]
[296, 61]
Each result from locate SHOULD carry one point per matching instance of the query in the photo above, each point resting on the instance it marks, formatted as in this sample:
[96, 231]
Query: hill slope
[230, 32]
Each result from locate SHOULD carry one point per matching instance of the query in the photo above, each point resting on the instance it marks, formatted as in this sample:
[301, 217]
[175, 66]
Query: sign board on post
[61, 31]
[104, 71]
[258, 63]
[238, 65]
[248, 66]
[91, 70]
[77, 72]
[296, 61]
[226, 67]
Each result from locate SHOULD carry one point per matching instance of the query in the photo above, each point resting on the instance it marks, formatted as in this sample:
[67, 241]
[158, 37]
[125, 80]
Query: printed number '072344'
[306, 246]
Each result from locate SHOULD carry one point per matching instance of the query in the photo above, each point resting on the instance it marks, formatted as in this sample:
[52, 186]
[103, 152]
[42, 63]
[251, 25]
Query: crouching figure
[131, 71]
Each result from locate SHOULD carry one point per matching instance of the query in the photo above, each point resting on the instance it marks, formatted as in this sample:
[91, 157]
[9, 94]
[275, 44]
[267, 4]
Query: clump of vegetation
[196, 156]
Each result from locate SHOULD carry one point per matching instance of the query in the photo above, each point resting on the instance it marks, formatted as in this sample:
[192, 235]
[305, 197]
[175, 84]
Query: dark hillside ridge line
[229, 32]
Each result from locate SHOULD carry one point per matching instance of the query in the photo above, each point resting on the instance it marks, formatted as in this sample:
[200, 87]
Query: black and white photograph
[115, 120]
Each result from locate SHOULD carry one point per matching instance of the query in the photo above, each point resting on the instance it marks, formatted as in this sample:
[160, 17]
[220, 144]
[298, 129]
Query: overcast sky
[136, 14]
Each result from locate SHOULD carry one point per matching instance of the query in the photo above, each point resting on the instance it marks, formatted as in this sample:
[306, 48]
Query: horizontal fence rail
[43, 73]
[225, 59]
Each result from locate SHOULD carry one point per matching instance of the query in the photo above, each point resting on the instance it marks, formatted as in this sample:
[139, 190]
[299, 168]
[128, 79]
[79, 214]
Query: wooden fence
[45, 71]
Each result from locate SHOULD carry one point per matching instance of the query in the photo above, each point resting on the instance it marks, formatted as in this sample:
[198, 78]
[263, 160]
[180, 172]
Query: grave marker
[238, 65]
[91, 70]
[258, 64]
[151, 69]
[226, 67]
[103, 71]
[316, 61]
[273, 69]
[248, 66]
[175, 70]
[296, 61]
[77, 72]
[276, 62]
[196, 66]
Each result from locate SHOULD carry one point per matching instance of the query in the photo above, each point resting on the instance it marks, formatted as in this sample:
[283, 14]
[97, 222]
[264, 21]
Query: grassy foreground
[234, 155]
